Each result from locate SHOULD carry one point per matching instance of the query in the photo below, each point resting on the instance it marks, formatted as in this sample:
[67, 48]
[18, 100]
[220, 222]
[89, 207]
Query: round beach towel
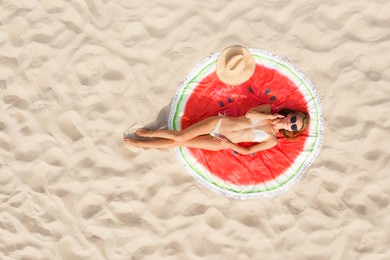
[266, 173]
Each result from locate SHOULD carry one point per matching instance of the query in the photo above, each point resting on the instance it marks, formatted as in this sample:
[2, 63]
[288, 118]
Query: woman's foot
[144, 132]
[129, 142]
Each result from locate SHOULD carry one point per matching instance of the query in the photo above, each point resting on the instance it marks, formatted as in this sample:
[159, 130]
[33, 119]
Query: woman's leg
[156, 143]
[200, 128]
[205, 142]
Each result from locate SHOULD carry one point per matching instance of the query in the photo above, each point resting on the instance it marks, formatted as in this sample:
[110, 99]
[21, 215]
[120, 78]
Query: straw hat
[235, 65]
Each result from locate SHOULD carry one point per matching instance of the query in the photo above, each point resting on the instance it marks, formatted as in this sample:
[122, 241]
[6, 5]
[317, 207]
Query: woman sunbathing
[234, 66]
[219, 132]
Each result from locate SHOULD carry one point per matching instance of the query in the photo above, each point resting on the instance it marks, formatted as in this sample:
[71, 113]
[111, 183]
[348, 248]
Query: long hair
[305, 123]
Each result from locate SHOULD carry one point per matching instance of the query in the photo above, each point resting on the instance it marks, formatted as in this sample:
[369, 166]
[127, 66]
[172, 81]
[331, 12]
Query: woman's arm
[260, 112]
[268, 143]
[238, 149]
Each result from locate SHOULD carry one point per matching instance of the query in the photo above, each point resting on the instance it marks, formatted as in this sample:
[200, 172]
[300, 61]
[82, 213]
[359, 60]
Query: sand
[75, 74]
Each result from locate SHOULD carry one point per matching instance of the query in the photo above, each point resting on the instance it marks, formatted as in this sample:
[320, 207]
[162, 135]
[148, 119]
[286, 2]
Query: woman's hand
[275, 116]
[222, 141]
[249, 114]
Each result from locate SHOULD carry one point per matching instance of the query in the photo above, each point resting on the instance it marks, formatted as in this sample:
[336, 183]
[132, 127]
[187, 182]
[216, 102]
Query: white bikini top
[258, 135]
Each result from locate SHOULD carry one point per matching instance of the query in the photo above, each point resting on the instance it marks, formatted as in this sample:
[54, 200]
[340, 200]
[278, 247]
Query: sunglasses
[294, 126]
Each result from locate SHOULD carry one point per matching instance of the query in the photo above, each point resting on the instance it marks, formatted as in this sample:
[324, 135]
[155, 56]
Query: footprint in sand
[17, 31]
[90, 205]
[27, 152]
[17, 100]
[89, 69]
[73, 20]
[54, 156]
[70, 124]
[113, 75]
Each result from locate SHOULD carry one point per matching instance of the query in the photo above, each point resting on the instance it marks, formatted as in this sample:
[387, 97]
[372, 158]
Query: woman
[217, 133]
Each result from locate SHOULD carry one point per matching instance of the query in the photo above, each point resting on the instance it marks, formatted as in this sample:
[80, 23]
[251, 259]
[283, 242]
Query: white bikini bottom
[215, 131]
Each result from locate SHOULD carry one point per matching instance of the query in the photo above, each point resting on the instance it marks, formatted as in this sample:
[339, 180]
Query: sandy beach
[74, 75]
